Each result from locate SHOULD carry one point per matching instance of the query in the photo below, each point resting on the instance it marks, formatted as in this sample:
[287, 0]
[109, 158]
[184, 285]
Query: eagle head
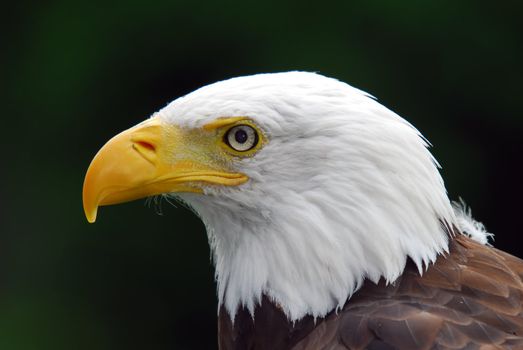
[306, 185]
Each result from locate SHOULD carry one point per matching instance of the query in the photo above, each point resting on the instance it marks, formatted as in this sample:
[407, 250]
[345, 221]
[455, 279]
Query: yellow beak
[148, 159]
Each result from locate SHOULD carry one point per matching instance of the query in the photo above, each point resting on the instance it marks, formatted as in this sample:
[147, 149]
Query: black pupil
[240, 136]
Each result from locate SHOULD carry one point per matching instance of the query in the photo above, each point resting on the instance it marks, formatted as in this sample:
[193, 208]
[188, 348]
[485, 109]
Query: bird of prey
[328, 221]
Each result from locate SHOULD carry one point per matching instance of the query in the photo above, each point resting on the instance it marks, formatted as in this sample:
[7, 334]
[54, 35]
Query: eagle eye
[241, 138]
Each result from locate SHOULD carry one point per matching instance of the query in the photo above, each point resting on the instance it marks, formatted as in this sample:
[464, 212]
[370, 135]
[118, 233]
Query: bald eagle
[329, 223]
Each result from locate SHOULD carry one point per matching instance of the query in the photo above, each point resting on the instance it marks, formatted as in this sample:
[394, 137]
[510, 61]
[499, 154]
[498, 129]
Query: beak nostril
[147, 145]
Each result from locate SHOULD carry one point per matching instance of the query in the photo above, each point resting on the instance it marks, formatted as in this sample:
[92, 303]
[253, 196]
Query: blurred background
[73, 74]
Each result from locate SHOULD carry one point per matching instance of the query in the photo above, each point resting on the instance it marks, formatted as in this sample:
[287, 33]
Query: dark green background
[75, 73]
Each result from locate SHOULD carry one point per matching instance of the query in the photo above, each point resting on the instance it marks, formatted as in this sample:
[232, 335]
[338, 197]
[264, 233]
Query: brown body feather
[470, 298]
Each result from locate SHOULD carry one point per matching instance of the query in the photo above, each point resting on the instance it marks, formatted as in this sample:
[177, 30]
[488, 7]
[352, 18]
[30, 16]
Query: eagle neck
[307, 264]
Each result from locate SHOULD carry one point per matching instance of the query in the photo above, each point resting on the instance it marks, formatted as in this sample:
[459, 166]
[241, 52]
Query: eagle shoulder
[470, 298]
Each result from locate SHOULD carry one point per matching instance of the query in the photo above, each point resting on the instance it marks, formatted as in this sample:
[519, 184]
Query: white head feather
[344, 190]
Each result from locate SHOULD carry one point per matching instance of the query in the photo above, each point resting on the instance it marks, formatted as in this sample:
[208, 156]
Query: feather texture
[343, 237]
[471, 298]
[344, 190]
